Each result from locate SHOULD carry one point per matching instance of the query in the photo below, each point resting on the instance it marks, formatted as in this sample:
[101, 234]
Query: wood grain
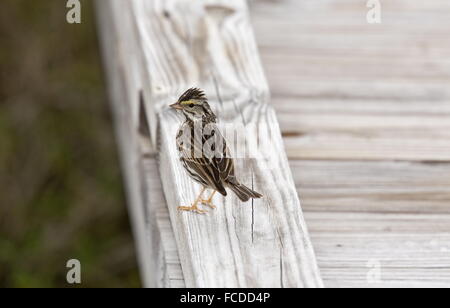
[394, 213]
[346, 89]
[162, 48]
[365, 106]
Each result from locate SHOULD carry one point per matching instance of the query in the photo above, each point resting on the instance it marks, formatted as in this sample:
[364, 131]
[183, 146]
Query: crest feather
[192, 93]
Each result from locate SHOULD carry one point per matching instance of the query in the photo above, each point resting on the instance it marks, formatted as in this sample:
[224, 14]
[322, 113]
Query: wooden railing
[154, 50]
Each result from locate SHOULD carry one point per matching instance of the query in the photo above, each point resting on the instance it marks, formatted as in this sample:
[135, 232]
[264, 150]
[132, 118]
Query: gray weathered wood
[343, 90]
[144, 198]
[346, 89]
[396, 214]
[393, 212]
[160, 48]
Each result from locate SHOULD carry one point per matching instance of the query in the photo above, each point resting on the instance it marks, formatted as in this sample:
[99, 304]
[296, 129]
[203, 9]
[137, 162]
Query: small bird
[211, 171]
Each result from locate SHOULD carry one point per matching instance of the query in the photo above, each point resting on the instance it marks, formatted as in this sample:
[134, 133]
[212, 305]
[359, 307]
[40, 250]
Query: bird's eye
[191, 105]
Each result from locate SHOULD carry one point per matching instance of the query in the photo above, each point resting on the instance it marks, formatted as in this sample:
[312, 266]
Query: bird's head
[194, 105]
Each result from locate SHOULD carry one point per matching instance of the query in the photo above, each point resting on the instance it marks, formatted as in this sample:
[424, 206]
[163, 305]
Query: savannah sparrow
[213, 169]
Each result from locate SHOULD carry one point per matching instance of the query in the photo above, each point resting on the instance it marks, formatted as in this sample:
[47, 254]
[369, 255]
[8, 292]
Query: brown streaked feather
[207, 175]
[210, 170]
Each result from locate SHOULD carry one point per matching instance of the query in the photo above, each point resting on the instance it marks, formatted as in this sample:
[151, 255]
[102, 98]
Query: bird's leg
[194, 207]
[208, 201]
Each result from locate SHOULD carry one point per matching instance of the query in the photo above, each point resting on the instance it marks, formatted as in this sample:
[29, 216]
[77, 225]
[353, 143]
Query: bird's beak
[177, 106]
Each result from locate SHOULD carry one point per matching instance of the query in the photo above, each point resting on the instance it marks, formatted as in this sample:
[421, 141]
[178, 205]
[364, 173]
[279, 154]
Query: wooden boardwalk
[365, 114]
[364, 111]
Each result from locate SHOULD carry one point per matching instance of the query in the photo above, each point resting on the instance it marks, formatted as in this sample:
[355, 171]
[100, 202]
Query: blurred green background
[61, 194]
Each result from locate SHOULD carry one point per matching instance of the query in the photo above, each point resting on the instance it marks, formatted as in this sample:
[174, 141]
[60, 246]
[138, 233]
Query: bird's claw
[192, 208]
[208, 203]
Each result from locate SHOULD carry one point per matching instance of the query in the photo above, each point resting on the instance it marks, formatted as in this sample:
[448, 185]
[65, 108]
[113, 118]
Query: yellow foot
[193, 208]
[208, 203]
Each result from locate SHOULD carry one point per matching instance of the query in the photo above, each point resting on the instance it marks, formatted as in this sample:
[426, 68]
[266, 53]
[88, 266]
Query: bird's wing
[198, 163]
[224, 163]
[216, 150]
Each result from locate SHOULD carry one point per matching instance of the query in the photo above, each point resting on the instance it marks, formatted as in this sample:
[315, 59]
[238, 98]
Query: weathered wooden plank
[392, 213]
[143, 198]
[289, 6]
[236, 237]
[406, 258]
[409, 29]
[345, 89]
[395, 213]
[161, 240]
[382, 187]
[329, 67]
[162, 48]
[365, 129]
[348, 146]
[411, 110]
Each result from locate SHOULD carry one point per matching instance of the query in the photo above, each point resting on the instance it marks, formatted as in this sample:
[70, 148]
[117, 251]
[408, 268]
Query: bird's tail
[244, 193]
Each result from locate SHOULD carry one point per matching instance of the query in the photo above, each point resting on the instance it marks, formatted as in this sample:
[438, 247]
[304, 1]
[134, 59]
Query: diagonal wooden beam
[159, 48]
